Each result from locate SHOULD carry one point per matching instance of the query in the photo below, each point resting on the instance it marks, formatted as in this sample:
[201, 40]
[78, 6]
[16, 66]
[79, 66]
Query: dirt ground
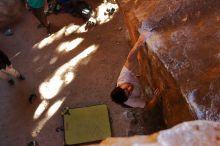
[74, 81]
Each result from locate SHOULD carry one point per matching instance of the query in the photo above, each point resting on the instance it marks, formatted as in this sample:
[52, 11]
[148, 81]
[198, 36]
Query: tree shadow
[94, 76]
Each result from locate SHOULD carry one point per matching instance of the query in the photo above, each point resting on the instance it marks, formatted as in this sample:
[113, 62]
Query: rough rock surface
[182, 54]
[10, 11]
[201, 133]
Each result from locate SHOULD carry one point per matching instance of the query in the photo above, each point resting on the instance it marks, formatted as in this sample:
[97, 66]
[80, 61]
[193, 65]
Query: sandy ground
[48, 68]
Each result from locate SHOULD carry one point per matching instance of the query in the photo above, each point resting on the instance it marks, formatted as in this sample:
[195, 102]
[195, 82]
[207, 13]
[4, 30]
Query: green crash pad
[87, 124]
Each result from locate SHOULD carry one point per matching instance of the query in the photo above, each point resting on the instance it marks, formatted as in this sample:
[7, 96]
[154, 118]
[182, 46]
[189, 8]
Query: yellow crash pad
[87, 124]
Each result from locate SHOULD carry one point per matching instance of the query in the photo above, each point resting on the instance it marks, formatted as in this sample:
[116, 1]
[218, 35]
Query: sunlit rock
[182, 54]
[195, 133]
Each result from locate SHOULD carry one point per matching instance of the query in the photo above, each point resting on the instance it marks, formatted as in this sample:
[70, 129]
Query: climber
[128, 90]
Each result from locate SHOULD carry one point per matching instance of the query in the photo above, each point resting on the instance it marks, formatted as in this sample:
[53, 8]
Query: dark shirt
[4, 60]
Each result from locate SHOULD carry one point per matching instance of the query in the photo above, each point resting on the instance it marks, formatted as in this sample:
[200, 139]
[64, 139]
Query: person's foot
[21, 77]
[33, 143]
[8, 32]
[11, 82]
[32, 97]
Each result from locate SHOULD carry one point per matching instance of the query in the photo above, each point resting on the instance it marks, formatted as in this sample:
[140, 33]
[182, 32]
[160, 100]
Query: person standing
[7, 69]
[37, 8]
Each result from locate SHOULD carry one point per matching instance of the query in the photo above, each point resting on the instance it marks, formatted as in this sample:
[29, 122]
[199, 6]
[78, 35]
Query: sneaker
[11, 82]
[21, 77]
[32, 97]
[33, 143]
[8, 32]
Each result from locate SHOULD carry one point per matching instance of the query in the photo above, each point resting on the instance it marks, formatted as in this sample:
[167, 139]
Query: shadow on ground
[61, 75]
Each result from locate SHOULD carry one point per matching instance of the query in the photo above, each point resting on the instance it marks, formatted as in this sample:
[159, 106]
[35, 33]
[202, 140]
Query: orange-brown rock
[182, 54]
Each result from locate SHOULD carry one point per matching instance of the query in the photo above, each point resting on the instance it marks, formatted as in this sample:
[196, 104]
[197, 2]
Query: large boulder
[195, 133]
[10, 11]
[182, 54]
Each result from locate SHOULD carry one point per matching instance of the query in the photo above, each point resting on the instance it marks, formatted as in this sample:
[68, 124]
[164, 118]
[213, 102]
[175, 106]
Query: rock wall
[182, 54]
[10, 11]
[201, 133]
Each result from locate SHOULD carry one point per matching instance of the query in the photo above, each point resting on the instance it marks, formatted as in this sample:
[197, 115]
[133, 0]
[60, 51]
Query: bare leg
[13, 72]
[39, 14]
[3, 75]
